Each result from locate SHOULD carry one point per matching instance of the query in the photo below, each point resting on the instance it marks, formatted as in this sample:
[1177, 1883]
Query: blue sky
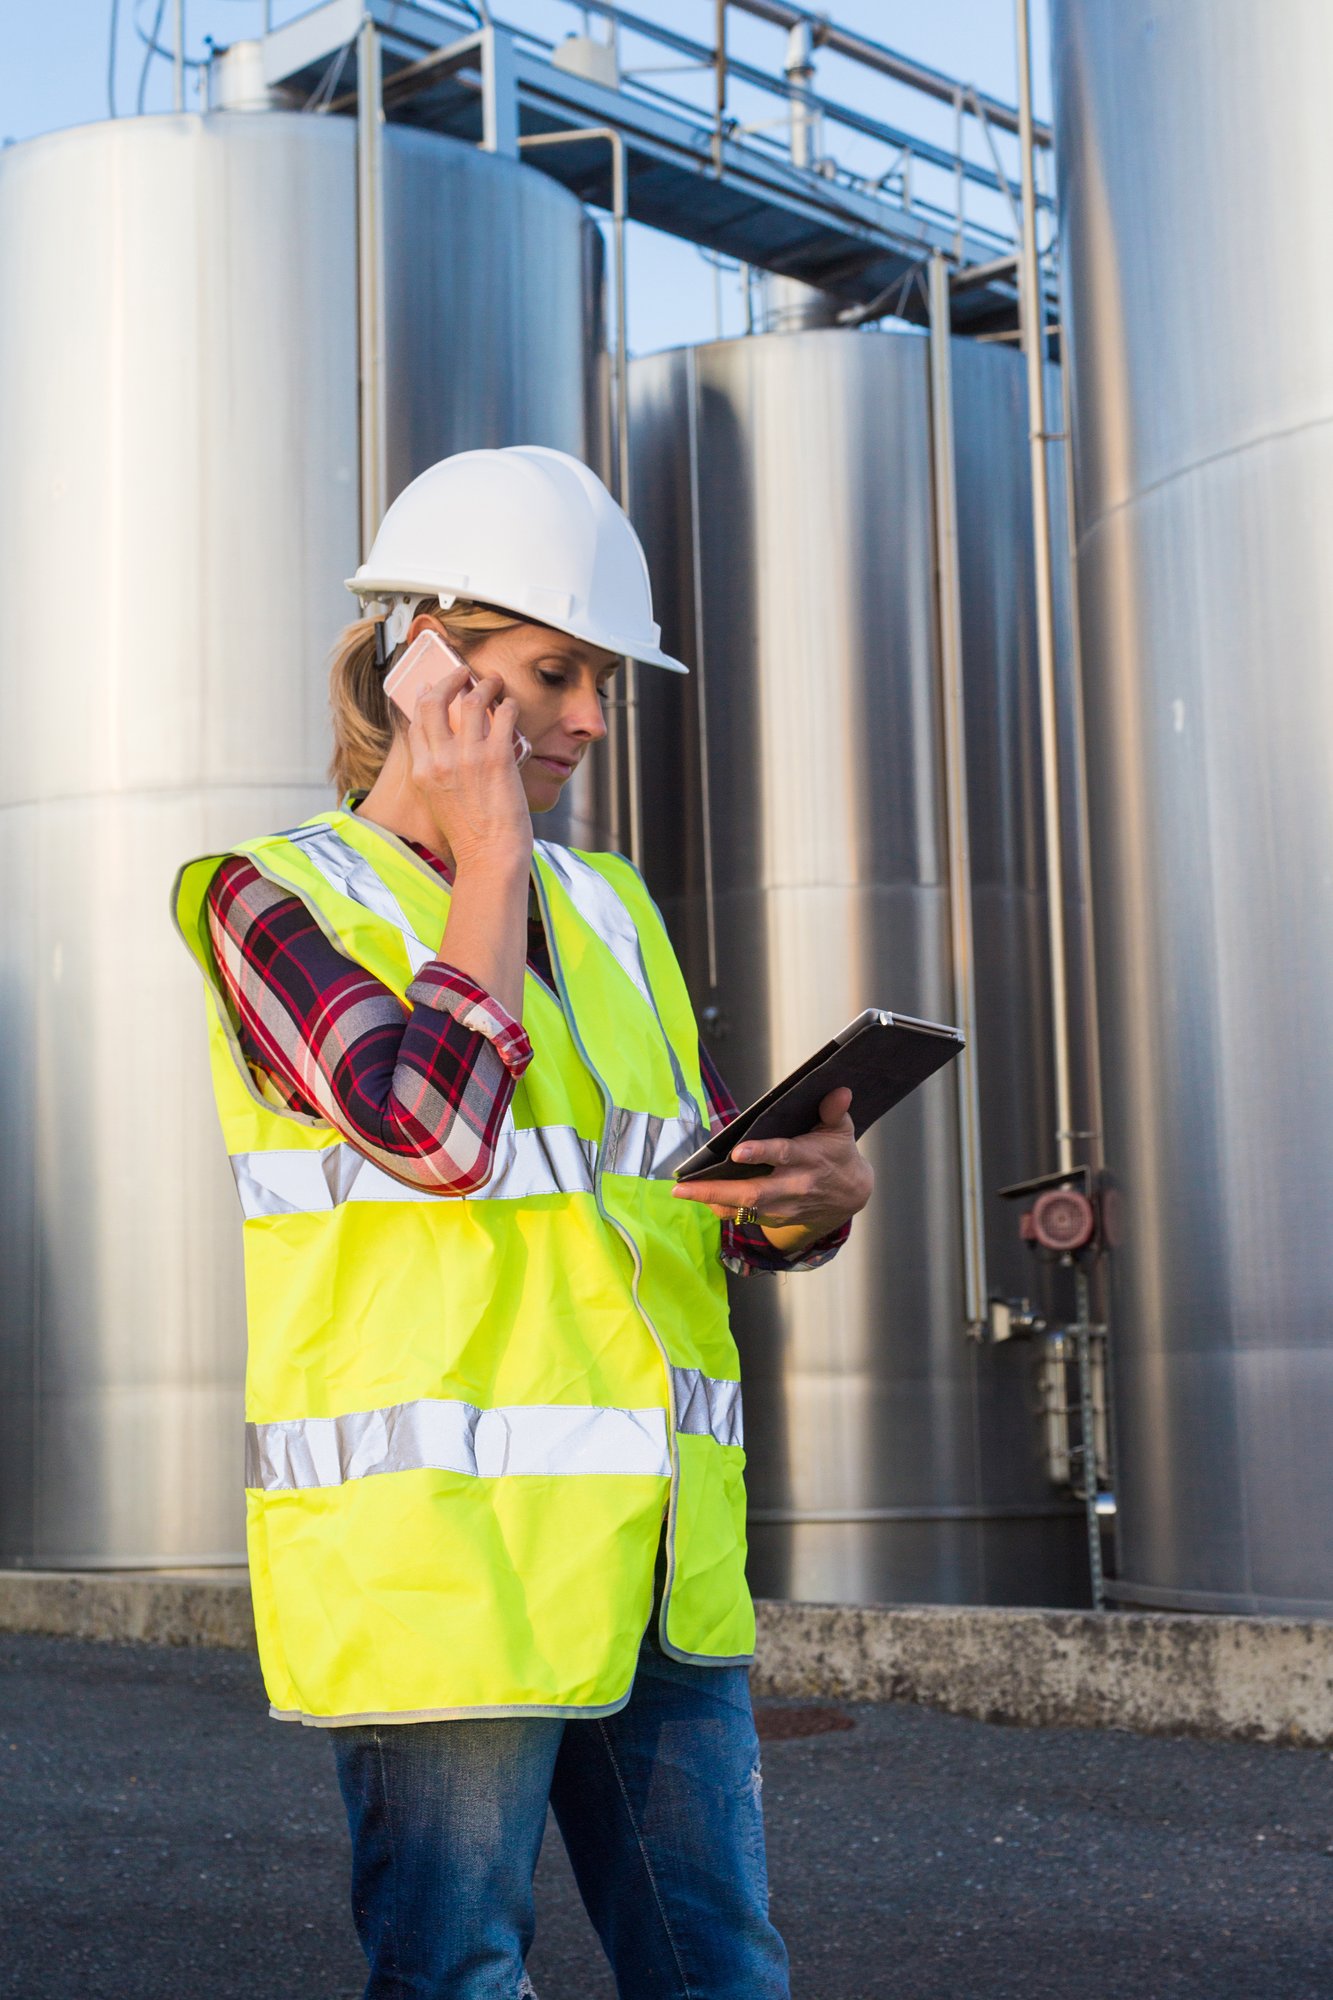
[56, 64]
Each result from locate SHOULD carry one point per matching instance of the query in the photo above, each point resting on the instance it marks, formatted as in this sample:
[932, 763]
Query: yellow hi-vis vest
[469, 1417]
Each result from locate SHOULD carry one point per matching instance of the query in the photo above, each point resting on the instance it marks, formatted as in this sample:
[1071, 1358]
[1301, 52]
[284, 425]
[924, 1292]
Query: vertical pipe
[499, 93]
[620, 376]
[620, 212]
[1088, 1432]
[370, 277]
[268, 17]
[701, 667]
[719, 80]
[955, 796]
[959, 178]
[178, 91]
[1032, 315]
[800, 69]
[1092, 1025]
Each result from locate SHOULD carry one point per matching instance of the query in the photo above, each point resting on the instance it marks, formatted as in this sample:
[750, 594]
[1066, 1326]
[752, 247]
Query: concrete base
[1163, 1674]
[163, 1607]
[1256, 1679]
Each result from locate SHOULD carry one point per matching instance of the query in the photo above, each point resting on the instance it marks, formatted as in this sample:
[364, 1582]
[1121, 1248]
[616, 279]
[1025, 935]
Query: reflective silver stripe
[524, 1440]
[650, 1148]
[540, 1159]
[601, 909]
[707, 1407]
[551, 1159]
[536, 1159]
[352, 875]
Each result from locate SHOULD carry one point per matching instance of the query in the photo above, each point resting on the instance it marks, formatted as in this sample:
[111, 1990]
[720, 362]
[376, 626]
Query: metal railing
[899, 176]
[966, 186]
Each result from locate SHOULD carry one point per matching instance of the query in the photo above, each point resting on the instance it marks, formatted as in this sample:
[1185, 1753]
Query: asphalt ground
[161, 1839]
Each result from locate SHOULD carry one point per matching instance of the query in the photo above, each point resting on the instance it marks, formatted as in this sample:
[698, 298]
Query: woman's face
[560, 685]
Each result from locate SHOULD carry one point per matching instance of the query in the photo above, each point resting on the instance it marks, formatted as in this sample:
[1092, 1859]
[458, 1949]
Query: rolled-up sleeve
[421, 1090]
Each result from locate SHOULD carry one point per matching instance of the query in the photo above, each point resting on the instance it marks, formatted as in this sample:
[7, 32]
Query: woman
[495, 1507]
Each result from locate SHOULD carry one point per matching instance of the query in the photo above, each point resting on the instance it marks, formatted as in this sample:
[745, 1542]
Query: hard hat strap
[392, 628]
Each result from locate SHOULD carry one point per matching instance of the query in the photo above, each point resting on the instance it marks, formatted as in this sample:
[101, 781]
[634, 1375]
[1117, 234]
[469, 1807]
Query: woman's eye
[550, 680]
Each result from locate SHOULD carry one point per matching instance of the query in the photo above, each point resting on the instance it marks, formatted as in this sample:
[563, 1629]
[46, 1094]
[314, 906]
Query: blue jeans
[659, 1809]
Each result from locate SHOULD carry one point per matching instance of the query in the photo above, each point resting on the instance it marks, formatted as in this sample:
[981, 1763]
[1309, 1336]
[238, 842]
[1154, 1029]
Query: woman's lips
[560, 765]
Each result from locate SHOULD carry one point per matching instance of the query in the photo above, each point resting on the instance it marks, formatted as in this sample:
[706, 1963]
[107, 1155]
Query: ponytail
[364, 719]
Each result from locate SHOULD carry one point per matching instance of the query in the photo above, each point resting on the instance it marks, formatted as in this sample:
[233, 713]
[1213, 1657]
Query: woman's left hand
[818, 1181]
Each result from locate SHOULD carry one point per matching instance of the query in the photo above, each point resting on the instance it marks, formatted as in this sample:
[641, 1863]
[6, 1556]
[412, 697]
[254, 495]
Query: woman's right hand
[463, 765]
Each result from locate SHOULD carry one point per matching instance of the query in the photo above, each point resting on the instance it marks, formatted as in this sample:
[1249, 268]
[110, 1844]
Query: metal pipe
[955, 797]
[178, 86]
[1092, 1026]
[370, 278]
[499, 91]
[998, 164]
[719, 80]
[701, 668]
[984, 274]
[799, 70]
[702, 55]
[958, 187]
[619, 217]
[887, 61]
[1088, 1436]
[620, 214]
[1031, 313]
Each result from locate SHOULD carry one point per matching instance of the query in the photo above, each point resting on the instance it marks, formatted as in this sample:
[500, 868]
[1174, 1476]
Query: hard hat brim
[648, 656]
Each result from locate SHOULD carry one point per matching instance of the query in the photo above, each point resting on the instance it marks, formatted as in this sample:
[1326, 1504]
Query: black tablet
[879, 1057]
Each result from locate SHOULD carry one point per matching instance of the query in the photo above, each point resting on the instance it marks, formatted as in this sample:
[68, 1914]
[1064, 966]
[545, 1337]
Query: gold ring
[744, 1215]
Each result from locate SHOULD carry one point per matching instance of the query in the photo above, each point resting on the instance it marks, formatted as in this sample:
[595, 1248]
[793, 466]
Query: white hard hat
[525, 528]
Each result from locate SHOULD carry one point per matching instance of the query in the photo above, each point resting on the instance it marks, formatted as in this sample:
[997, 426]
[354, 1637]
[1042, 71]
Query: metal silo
[179, 433]
[1203, 387]
[794, 819]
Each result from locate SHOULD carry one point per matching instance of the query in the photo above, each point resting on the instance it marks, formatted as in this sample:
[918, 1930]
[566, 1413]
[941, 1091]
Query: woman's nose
[585, 717]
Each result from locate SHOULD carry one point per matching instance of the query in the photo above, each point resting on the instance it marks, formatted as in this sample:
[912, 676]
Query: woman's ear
[423, 622]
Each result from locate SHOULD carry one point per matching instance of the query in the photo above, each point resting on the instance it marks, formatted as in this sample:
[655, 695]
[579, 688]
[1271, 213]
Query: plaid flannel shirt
[421, 1092]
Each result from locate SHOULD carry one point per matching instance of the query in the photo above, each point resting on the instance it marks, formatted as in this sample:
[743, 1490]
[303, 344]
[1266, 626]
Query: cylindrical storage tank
[179, 433]
[1199, 308]
[783, 486]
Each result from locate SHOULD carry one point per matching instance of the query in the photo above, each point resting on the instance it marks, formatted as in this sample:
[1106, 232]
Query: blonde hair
[364, 719]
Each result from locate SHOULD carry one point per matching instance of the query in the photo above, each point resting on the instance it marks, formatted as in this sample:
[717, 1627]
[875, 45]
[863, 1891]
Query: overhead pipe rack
[691, 170]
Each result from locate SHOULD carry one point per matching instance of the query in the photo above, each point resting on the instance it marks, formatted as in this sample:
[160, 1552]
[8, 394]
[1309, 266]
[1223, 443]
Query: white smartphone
[427, 660]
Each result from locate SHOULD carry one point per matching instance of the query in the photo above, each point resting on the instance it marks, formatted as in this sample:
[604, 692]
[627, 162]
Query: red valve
[1060, 1219]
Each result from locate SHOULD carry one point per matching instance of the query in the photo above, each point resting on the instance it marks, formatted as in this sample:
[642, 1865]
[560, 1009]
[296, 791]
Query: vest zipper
[608, 1107]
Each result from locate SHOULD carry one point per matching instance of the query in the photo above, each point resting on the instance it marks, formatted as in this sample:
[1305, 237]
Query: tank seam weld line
[187, 793]
[783, 1517]
[1198, 465]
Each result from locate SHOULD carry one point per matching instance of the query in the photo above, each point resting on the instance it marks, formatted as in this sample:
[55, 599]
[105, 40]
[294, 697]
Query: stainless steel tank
[1200, 307]
[783, 487]
[179, 435]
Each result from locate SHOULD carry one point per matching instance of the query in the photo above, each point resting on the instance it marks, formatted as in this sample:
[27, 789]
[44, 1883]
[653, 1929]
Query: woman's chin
[543, 790]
